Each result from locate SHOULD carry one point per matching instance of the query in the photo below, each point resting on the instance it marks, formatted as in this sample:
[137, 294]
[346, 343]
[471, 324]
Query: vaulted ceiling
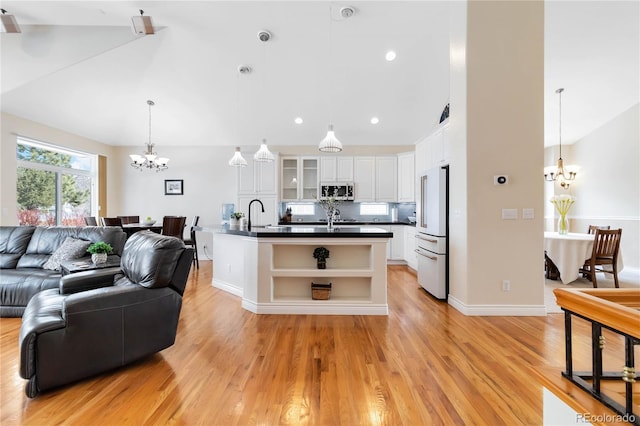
[77, 66]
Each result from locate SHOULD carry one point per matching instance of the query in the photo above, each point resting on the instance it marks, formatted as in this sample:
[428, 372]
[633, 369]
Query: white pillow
[72, 248]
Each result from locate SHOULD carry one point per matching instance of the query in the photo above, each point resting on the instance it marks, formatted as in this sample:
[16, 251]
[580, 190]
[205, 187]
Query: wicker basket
[320, 291]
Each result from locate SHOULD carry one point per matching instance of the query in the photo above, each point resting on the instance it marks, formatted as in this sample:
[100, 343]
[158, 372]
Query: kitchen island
[272, 268]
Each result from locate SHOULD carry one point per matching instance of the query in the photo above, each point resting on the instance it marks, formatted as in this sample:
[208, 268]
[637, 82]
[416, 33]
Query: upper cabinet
[375, 178]
[406, 177]
[336, 169]
[299, 178]
[434, 150]
[257, 177]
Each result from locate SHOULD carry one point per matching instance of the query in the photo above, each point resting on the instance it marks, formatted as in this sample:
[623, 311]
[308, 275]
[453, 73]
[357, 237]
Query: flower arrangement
[330, 204]
[562, 204]
[100, 247]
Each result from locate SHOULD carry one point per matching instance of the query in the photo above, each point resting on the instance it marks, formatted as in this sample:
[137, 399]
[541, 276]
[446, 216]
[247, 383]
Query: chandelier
[149, 159]
[565, 176]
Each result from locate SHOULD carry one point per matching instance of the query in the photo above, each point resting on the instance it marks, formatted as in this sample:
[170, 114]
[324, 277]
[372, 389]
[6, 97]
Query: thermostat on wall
[500, 180]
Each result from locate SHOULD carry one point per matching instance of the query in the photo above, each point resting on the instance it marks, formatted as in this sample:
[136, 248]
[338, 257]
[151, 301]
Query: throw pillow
[72, 248]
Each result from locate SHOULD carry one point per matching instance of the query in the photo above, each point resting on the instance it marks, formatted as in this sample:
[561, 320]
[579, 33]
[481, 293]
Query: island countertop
[280, 231]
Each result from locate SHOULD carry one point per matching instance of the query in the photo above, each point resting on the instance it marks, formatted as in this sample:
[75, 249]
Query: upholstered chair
[104, 319]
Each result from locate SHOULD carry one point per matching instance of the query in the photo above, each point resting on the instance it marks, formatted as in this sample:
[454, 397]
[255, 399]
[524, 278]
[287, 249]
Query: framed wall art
[173, 187]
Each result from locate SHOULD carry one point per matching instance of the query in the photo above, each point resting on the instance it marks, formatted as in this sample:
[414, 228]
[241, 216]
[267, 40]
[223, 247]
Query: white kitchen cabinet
[440, 146]
[397, 242]
[364, 178]
[410, 255]
[336, 169]
[386, 175]
[257, 177]
[299, 180]
[270, 215]
[406, 177]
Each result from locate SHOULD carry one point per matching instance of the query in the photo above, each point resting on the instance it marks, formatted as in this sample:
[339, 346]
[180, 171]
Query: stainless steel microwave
[338, 190]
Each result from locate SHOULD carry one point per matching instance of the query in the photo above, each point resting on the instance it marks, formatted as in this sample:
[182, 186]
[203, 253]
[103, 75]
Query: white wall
[607, 187]
[208, 183]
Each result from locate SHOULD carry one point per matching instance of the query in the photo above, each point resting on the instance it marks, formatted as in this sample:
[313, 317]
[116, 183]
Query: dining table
[569, 251]
[132, 228]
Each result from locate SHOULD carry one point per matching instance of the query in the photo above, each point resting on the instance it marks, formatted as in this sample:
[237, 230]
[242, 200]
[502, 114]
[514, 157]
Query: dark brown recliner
[104, 319]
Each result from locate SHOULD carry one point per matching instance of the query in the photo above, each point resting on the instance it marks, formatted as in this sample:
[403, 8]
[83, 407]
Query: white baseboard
[229, 288]
[498, 310]
[314, 308]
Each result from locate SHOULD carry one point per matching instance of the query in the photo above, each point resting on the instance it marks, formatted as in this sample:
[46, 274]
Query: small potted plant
[99, 252]
[235, 219]
[321, 254]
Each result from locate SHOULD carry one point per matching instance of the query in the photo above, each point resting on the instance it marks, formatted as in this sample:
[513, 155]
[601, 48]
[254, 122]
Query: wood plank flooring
[424, 364]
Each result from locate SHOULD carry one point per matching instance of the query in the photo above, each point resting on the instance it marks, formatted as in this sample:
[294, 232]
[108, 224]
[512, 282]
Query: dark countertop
[345, 223]
[280, 231]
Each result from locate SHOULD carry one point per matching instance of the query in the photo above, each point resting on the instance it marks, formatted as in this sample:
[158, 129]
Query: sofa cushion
[72, 248]
[150, 259]
[13, 244]
[19, 285]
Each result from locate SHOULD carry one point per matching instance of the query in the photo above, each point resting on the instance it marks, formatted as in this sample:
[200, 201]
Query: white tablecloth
[568, 252]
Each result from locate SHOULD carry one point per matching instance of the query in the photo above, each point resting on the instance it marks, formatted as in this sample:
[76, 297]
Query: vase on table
[563, 225]
[99, 258]
[330, 217]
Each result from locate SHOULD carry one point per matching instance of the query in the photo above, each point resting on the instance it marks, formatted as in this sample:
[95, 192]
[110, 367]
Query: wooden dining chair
[173, 226]
[90, 221]
[191, 241]
[606, 245]
[129, 219]
[592, 228]
[111, 221]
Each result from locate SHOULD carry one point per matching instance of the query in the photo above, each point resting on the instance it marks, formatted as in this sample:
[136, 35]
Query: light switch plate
[510, 214]
[527, 213]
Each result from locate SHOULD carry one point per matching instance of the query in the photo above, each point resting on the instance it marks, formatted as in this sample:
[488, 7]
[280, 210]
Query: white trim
[228, 287]
[498, 310]
[631, 218]
[314, 308]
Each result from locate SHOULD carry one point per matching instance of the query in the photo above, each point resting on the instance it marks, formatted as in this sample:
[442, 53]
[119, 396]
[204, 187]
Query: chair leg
[615, 276]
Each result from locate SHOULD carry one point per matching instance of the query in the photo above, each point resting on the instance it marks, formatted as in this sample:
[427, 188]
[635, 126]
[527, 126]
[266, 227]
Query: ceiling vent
[347, 12]
[264, 36]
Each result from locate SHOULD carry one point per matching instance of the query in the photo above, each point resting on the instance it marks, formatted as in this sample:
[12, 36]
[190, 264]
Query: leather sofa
[24, 250]
[103, 319]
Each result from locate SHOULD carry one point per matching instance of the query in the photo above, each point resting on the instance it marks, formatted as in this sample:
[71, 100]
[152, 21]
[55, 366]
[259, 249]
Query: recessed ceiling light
[390, 55]
[374, 120]
[298, 120]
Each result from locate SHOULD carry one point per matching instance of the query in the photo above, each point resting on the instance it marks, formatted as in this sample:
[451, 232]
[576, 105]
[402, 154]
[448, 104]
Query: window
[55, 186]
[374, 209]
[302, 209]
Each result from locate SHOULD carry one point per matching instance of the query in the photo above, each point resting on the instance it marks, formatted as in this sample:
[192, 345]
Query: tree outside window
[53, 186]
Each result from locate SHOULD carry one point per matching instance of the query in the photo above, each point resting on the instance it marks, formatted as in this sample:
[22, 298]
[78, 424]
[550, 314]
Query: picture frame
[173, 187]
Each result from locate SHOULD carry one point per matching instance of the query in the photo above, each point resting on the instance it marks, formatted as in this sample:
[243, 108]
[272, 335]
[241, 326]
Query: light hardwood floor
[424, 364]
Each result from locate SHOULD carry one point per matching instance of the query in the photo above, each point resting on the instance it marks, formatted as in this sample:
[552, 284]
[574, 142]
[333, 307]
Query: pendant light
[263, 154]
[238, 160]
[565, 176]
[149, 160]
[330, 143]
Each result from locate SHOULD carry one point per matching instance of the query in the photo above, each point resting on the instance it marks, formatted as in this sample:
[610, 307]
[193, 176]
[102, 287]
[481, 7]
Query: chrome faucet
[249, 218]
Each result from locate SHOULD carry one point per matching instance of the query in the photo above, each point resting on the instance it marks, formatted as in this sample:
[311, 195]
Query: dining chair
[111, 221]
[606, 245]
[173, 226]
[129, 219]
[90, 221]
[191, 241]
[592, 228]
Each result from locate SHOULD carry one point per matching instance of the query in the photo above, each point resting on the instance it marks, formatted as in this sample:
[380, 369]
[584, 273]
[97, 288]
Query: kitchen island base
[274, 275]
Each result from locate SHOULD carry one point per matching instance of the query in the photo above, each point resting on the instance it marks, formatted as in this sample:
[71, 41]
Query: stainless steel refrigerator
[433, 228]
